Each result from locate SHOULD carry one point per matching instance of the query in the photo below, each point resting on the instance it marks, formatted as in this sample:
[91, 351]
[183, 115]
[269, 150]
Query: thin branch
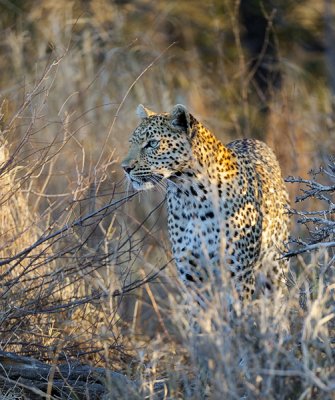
[78, 222]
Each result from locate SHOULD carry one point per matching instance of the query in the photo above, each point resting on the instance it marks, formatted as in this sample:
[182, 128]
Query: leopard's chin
[140, 183]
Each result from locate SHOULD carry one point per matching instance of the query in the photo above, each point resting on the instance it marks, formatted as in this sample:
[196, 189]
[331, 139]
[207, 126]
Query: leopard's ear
[180, 117]
[143, 112]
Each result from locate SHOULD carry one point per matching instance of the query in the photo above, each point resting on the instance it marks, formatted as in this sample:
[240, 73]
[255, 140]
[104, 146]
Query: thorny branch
[319, 224]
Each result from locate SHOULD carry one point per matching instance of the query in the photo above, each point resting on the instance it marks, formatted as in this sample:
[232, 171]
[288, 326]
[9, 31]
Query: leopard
[226, 204]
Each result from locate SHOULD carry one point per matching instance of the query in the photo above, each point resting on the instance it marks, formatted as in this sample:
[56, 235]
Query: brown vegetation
[85, 273]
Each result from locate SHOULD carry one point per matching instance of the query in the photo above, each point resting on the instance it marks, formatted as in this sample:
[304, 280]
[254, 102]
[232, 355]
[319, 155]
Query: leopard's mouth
[144, 182]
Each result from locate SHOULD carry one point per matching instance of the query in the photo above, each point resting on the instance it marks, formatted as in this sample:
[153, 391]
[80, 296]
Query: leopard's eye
[153, 143]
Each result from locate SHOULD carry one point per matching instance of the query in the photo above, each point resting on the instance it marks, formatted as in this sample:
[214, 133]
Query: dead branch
[71, 380]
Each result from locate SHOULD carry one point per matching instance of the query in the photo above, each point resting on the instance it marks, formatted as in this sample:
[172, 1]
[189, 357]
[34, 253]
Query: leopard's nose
[128, 165]
[127, 168]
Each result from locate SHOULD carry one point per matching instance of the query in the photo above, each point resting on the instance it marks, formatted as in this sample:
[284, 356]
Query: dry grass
[79, 262]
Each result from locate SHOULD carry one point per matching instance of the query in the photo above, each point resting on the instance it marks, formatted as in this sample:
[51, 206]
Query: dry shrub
[65, 259]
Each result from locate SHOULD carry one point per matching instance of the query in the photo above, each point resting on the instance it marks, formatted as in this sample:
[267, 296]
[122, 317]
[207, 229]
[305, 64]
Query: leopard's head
[160, 146]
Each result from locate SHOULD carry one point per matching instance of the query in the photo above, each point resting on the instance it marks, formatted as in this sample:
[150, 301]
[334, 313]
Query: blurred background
[71, 76]
[246, 68]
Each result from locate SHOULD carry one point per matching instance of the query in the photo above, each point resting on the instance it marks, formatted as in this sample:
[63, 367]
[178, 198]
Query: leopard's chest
[194, 227]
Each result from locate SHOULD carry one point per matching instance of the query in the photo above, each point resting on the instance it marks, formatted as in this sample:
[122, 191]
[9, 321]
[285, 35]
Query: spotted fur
[226, 204]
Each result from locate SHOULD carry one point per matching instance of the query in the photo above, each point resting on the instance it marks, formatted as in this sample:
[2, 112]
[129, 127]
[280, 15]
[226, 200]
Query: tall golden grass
[85, 262]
